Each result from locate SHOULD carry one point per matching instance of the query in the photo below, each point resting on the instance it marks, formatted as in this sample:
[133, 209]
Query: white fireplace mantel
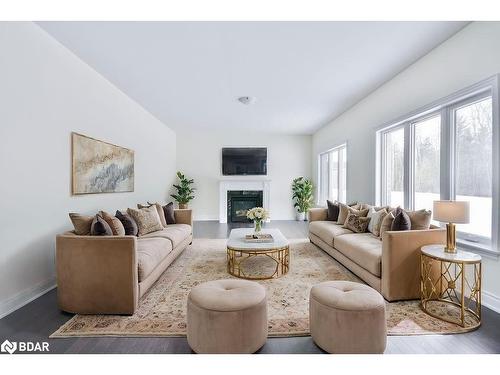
[244, 184]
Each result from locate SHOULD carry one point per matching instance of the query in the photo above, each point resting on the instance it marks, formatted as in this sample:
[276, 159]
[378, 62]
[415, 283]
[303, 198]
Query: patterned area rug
[162, 311]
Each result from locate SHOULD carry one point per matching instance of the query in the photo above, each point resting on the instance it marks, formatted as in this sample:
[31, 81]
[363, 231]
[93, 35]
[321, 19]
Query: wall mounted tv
[244, 161]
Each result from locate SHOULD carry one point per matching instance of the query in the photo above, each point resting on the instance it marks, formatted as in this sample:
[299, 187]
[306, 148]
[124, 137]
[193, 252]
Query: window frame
[445, 108]
[341, 179]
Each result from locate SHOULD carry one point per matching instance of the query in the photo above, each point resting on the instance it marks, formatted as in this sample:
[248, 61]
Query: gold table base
[453, 286]
[236, 259]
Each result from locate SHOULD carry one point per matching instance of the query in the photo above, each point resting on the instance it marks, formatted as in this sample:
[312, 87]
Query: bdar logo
[8, 347]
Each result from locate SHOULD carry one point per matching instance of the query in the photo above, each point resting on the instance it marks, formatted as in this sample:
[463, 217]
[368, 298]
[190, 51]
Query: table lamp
[451, 213]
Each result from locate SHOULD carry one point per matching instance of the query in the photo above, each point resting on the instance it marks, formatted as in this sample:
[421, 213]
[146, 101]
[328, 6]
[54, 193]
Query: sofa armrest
[184, 216]
[401, 261]
[317, 214]
[97, 275]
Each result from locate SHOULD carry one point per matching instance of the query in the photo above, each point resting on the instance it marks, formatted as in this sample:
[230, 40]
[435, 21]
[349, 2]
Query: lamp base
[450, 239]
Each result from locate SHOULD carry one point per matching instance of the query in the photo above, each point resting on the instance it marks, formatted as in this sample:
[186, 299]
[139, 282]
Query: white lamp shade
[451, 211]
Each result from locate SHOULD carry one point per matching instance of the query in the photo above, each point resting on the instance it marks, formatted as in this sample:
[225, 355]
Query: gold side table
[454, 280]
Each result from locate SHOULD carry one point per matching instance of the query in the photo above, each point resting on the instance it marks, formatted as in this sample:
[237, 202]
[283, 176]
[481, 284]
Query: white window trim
[445, 106]
[340, 179]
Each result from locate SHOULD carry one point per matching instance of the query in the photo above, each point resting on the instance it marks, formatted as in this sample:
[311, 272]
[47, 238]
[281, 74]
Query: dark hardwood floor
[37, 320]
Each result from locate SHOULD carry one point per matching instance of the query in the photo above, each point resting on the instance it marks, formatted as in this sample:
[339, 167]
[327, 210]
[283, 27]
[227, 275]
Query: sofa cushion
[401, 221]
[420, 219]
[327, 230]
[150, 252]
[333, 210]
[147, 219]
[174, 232]
[82, 223]
[100, 227]
[128, 222]
[362, 248]
[345, 210]
[168, 211]
[356, 223]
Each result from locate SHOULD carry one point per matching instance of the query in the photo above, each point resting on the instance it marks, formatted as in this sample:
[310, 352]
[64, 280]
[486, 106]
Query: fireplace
[239, 202]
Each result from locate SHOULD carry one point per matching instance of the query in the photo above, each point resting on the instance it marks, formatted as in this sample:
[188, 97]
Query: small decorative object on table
[259, 238]
[451, 285]
[258, 215]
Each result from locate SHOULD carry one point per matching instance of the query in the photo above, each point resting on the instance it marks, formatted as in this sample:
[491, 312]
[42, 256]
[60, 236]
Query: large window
[332, 175]
[446, 152]
[473, 163]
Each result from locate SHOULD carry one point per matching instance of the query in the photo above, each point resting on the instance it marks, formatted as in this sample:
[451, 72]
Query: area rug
[162, 311]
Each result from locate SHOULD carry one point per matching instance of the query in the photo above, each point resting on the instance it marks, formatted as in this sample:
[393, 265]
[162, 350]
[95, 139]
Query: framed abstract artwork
[100, 167]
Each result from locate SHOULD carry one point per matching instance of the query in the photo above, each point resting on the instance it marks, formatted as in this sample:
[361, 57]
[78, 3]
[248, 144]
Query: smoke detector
[247, 100]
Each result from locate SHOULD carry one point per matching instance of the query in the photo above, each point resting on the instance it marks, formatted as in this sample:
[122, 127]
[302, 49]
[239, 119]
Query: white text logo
[24, 346]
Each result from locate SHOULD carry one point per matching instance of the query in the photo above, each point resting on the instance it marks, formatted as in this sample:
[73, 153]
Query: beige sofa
[108, 274]
[391, 265]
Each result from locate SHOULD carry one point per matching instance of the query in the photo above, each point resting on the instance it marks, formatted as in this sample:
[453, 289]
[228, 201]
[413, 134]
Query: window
[427, 159]
[332, 175]
[394, 141]
[445, 151]
[473, 164]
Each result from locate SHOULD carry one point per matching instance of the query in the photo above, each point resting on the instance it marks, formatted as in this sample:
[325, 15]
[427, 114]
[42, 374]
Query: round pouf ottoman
[347, 317]
[227, 316]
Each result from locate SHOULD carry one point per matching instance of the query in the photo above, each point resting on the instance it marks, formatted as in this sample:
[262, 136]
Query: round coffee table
[241, 252]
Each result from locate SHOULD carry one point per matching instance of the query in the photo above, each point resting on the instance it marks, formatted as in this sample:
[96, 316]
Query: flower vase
[257, 226]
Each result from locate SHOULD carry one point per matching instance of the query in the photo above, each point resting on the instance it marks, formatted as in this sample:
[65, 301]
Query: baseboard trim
[491, 301]
[26, 296]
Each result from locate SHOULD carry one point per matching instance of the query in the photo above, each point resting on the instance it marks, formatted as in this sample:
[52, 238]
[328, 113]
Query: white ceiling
[303, 74]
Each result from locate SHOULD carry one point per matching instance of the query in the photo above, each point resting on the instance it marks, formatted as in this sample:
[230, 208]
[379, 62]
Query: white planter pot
[301, 216]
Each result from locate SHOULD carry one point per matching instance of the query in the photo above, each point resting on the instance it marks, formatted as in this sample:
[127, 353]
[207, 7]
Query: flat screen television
[244, 161]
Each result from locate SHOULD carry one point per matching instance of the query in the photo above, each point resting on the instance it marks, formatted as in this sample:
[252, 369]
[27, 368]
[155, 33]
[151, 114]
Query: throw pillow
[401, 220]
[364, 206]
[159, 209]
[128, 222]
[345, 210]
[376, 218]
[356, 223]
[386, 224]
[168, 210]
[147, 219]
[333, 211]
[100, 227]
[115, 224]
[82, 223]
[420, 219]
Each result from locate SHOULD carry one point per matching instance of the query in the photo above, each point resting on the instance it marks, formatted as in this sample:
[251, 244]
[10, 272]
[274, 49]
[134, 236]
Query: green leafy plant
[302, 190]
[184, 190]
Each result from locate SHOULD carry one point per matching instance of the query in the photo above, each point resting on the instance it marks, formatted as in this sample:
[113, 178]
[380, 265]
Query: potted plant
[302, 189]
[184, 191]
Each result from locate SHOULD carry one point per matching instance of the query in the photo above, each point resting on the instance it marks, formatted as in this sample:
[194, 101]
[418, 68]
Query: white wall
[468, 57]
[199, 157]
[45, 94]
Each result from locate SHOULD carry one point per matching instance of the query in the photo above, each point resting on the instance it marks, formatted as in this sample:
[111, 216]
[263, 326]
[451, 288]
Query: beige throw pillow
[386, 224]
[116, 225]
[345, 210]
[147, 219]
[420, 219]
[356, 223]
[376, 218]
[82, 223]
[159, 209]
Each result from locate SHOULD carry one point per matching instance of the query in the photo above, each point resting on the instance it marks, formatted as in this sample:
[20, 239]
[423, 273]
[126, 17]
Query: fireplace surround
[242, 184]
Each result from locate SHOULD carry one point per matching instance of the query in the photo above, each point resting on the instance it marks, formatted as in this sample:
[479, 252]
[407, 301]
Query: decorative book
[262, 237]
